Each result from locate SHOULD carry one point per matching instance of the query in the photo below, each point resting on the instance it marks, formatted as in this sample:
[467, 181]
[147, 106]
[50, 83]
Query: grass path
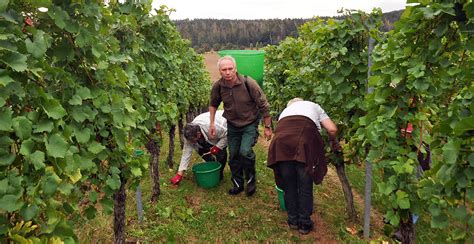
[189, 213]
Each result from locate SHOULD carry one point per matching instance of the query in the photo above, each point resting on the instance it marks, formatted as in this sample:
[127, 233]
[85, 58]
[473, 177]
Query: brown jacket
[240, 109]
[297, 139]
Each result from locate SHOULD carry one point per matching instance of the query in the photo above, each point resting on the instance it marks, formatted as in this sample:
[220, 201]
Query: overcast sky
[268, 9]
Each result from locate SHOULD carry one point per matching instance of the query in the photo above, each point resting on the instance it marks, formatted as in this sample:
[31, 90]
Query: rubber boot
[237, 188]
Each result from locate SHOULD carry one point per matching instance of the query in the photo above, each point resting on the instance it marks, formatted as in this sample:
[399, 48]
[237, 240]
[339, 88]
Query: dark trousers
[221, 157]
[242, 157]
[298, 187]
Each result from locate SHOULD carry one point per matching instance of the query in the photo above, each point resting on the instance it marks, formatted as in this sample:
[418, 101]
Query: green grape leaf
[469, 9]
[82, 135]
[54, 109]
[392, 217]
[470, 194]
[43, 126]
[440, 221]
[11, 203]
[386, 188]
[27, 147]
[59, 16]
[22, 127]
[50, 186]
[84, 162]
[6, 120]
[37, 159]
[466, 124]
[3, 186]
[120, 137]
[95, 147]
[402, 199]
[65, 188]
[84, 93]
[5, 141]
[450, 152]
[8, 16]
[113, 182]
[458, 234]
[5, 80]
[90, 212]
[107, 205]
[57, 146]
[471, 221]
[75, 100]
[93, 196]
[29, 212]
[460, 213]
[434, 210]
[8, 46]
[39, 45]
[137, 172]
[72, 26]
[81, 113]
[16, 61]
[7, 159]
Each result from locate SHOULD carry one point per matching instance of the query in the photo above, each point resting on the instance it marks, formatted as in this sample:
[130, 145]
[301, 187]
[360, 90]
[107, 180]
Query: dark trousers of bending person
[296, 155]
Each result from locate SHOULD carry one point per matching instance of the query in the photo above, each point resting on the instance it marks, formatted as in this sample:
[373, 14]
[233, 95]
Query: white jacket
[204, 121]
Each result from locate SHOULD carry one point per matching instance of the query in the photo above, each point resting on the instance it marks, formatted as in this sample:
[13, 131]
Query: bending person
[296, 154]
[196, 137]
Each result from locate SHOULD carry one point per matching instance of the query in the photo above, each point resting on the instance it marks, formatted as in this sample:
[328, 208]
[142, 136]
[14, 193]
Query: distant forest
[217, 34]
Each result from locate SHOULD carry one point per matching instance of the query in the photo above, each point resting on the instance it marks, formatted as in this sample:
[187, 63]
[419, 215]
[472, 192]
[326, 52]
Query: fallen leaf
[351, 230]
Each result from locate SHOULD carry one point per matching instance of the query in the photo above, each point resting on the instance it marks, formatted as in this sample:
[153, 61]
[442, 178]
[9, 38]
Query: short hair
[296, 99]
[226, 57]
[191, 130]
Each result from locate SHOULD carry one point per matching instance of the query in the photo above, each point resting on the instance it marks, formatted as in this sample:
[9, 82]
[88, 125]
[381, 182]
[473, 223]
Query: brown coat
[240, 109]
[297, 139]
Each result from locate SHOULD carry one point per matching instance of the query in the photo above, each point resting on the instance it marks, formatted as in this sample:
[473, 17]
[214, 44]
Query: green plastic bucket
[249, 62]
[281, 198]
[207, 174]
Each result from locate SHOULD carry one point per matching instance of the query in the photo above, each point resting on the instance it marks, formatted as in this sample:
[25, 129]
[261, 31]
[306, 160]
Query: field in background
[210, 60]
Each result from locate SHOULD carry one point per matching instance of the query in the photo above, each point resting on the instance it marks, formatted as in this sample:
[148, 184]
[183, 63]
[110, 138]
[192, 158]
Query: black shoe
[305, 228]
[250, 191]
[293, 226]
[251, 187]
[235, 190]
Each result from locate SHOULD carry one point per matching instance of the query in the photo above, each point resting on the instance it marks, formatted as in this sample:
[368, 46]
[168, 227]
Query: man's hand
[212, 131]
[214, 150]
[267, 132]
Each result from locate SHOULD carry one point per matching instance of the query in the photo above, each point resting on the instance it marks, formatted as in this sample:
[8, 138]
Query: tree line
[217, 34]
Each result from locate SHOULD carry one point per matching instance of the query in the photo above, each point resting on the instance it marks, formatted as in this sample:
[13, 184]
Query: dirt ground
[210, 60]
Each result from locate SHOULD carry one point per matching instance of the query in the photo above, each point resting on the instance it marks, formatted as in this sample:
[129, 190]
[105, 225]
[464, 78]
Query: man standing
[210, 149]
[243, 102]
